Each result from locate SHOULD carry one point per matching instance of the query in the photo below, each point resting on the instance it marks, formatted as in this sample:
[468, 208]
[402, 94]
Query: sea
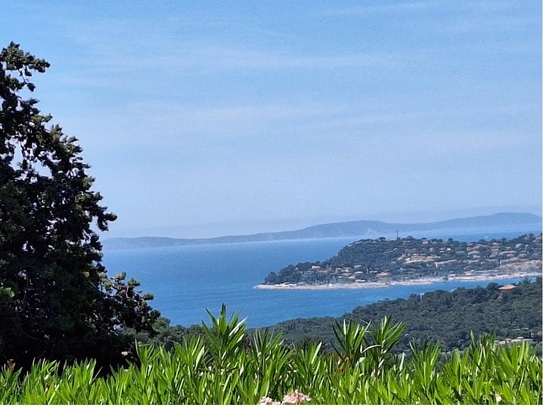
[189, 281]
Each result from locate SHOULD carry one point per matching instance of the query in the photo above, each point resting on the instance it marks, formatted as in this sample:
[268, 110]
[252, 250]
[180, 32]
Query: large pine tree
[56, 300]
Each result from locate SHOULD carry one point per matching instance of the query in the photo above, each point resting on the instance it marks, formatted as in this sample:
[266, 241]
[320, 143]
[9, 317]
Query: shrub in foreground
[224, 366]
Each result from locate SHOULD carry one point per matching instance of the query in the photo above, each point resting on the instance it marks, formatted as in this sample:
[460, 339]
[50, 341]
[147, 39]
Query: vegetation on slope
[447, 317]
[382, 260]
[226, 366]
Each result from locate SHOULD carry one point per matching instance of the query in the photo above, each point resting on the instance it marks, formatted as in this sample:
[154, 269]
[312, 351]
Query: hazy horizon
[205, 119]
[236, 228]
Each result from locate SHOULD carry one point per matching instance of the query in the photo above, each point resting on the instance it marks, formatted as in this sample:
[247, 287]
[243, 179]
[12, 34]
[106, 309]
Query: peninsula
[379, 262]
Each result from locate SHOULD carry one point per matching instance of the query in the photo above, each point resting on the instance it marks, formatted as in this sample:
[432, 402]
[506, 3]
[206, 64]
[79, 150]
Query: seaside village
[470, 261]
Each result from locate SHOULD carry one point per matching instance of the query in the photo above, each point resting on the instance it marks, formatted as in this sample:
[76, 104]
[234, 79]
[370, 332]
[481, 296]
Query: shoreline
[420, 281]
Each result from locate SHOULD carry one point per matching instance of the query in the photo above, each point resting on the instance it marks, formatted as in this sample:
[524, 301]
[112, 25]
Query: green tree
[56, 300]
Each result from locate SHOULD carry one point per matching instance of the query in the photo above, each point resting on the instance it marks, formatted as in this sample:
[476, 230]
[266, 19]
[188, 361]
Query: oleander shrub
[227, 366]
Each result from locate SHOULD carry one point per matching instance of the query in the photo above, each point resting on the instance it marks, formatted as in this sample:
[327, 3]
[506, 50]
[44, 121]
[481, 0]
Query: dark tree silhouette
[56, 300]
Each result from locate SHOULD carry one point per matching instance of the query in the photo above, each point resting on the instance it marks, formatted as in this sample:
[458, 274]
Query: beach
[381, 284]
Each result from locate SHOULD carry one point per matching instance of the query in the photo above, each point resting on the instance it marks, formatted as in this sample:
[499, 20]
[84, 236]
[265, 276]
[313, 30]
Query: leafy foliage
[56, 300]
[225, 366]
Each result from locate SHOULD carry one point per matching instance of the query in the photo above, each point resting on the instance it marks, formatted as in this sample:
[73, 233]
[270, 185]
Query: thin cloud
[420, 6]
[112, 48]
[471, 17]
[384, 8]
[216, 57]
[492, 23]
[468, 142]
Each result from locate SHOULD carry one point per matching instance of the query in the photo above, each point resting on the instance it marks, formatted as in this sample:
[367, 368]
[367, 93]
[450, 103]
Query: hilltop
[521, 222]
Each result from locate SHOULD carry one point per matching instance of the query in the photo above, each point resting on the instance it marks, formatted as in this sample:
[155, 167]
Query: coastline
[420, 281]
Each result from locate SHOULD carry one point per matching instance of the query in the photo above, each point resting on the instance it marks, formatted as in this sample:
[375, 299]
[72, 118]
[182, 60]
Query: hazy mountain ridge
[362, 228]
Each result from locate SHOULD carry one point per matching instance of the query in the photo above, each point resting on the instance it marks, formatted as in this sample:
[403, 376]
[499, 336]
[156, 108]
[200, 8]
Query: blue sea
[187, 280]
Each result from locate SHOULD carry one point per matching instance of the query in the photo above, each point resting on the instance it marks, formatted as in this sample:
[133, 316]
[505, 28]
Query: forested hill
[520, 222]
[382, 260]
[512, 312]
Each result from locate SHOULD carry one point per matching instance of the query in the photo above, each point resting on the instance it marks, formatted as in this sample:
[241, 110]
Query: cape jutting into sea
[187, 280]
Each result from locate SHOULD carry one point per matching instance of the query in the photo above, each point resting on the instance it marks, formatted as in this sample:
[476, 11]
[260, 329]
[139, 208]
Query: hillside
[512, 312]
[399, 260]
[522, 222]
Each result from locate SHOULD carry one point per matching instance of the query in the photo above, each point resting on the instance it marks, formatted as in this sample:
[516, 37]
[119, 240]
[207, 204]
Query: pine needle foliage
[56, 300]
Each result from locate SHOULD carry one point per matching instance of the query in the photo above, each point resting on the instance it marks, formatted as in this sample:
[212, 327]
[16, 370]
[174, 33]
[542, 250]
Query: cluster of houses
[436, 258]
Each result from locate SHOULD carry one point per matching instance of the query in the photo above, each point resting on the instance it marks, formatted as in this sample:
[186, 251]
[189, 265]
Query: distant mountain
[357, 229]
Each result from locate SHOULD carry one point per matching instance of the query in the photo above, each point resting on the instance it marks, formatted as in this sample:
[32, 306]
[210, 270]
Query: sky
[210, 118]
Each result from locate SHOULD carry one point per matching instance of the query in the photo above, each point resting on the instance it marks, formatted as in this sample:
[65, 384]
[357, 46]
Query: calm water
[188, 280]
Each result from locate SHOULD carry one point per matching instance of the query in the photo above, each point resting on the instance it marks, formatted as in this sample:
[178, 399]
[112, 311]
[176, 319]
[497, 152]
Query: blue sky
[206, 118]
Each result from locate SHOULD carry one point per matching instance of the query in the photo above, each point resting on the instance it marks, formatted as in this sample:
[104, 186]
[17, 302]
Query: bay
[187, 280]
